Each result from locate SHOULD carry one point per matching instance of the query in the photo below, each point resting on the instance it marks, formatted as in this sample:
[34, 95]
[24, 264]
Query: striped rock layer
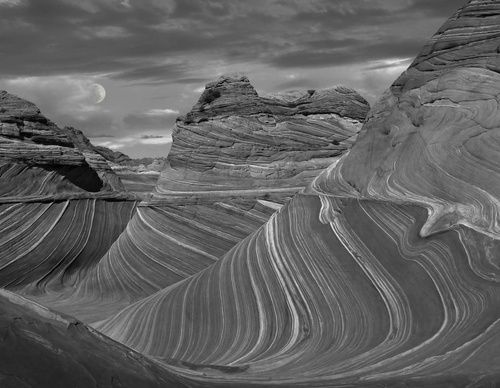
[38, 159]
[235, 140]
[385, 271]
[182, 230]
[61, 205]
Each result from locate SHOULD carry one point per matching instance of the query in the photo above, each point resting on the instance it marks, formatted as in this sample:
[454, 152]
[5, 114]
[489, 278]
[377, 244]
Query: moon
[97, 93]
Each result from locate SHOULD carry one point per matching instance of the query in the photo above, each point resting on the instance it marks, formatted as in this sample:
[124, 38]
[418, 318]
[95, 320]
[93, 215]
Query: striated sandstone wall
[385, 270]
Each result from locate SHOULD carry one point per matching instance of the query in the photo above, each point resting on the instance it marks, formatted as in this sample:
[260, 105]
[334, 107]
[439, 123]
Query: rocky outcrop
[41, 348]
[38, 159]
[61, 205]
[385, 270]
[235, 140]
[113, 156]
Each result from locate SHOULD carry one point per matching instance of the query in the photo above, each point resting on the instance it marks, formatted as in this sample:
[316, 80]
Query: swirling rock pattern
[433, 138]
[190, 222]
[51, 245]
[385, 270]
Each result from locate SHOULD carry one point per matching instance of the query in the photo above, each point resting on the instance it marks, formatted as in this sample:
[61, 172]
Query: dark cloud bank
[165, 41]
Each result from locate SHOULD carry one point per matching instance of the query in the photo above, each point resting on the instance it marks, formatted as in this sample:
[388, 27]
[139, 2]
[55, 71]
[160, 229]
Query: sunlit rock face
[433, 138]
[385, 270]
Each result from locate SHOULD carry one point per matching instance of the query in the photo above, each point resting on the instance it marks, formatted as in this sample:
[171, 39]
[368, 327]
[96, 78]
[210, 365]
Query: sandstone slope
[199, 212]
[61, 205]
[41, 348]
[384, 271]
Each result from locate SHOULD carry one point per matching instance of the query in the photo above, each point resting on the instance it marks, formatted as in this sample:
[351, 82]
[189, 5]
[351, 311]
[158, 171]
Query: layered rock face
[75, 249]
[235, 140]
[226, 175]
[37, 158]
[433, 138]
[385, 270]
[61, 205]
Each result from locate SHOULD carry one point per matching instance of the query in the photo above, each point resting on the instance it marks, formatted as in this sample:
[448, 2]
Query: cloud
[137, 147]
[162, 112]
[151, 119]
[152, 137]
[138, 49]
[184, 41]
[158, 140]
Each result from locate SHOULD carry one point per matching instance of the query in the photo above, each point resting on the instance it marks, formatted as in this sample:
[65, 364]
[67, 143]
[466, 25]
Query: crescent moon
[97, 93]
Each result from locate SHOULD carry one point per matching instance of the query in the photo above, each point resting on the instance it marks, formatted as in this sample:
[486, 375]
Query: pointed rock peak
[469, 39]
[12, 106]
[230, 95]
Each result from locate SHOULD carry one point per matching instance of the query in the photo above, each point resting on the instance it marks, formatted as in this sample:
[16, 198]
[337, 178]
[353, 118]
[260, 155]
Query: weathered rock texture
[213, 192]
[37, 158]
[80, 254]
[41, 348]
[235, 140]
[385, 270]
[61, 205]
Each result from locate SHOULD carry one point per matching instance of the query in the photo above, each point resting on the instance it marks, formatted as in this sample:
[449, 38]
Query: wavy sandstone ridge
[433, 138]
[350, 283]
[177, 234]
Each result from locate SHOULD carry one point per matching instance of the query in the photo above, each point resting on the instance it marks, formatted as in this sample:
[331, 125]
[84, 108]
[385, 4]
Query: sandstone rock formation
[37, 158]
[61, 205]
[235, 140]
[384, 271]
[41, 348]
[76, 251]
[113, 156]
[226, 175]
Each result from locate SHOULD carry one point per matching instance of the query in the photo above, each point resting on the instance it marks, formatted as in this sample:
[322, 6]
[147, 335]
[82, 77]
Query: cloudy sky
[154, 57]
